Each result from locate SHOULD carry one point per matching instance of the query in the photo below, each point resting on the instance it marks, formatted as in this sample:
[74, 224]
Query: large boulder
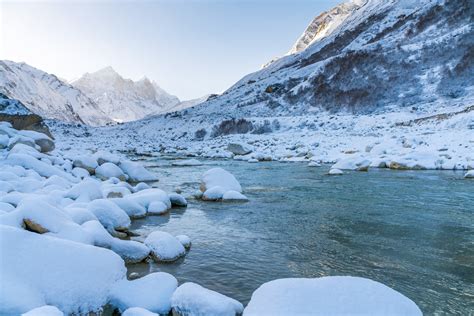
[221, 178]
[164, 247]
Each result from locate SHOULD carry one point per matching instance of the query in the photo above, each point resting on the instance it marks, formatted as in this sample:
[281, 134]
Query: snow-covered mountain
[124, 99]
[46, 95]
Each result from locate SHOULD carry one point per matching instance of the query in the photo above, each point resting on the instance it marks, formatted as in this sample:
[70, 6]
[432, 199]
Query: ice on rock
[219, 177]
[335, 172]
[234, 196]
[187, 163]
[86, 162]
[132, 208]
[152, 292]
[46, 310]
[108, 170]
[193, 299]
[164, 247]
[71, 276]
[138, 311]
[177, 200]
[185, 241]
[136, 172]
[130, 251]
[109, 215]
[339, 295]
[157, 208]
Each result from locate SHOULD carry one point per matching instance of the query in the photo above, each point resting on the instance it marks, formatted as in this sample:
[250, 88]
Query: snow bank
[152, 292]
[37, 269]
[164, 247]
[193, 299]
[340, 295]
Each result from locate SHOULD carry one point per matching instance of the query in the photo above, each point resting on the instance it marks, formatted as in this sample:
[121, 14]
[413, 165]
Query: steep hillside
[124, 99]
[46, 95]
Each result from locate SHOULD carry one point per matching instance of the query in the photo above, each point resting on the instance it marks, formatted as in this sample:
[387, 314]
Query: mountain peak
[107, 71]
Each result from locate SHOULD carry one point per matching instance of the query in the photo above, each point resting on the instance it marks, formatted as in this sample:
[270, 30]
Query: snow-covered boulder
[44, 142]
[186, 163]
[109, 215]
[152, 292]
[191, 299]
[314, 164]
[352, 162]
[136, 172]
[164, 247]
[132, 208]
[130, 251]
[85, 191]
[219, 177]
[177, 200]
[335, 172]
[86, 162]
[141, 186]
[80, 173]
[214, 194]
[37, 270]
[234, 196]
[339, 295]
[469, 174]
[185, 241]
[145, 197]
[42, 168]
[108, 170]
[105, 156]
[157, 208]
[239, 149]
[46, 310]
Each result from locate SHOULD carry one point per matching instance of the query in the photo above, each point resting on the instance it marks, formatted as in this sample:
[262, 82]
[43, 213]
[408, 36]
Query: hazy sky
[190, 48]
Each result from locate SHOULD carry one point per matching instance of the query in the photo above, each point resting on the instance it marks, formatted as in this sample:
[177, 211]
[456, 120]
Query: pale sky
[190, 48]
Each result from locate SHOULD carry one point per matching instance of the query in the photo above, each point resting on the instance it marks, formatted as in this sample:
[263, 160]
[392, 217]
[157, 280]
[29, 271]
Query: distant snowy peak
[325, 23]
[47, 95]
[124, 99]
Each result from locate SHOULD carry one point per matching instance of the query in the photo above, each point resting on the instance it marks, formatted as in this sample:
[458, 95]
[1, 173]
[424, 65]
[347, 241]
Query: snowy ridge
[124, 99]
[324, 24]
[46, 95]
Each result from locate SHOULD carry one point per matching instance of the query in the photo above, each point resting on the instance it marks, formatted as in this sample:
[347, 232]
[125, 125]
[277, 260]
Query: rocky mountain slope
[124, 99]
[391, 84]
[47, 95]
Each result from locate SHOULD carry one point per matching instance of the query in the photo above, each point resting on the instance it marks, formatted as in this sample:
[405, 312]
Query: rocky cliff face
[47, 96]
[124, 99]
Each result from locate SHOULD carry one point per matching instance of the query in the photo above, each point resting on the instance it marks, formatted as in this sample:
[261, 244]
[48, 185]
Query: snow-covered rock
[108, 170]
[56, 274]
[232, 195]
[164, 247]
[157, 208]
[239, 149]
[469, 174]
[86, 162]
[109, 214]
[340, 295]
[152, 292]
[215, 193]
[191, 299]
[136, 172]
[184, 240]
[219, 177]
[132, 208]
[335, 172]
[138, 311]
[177, 200]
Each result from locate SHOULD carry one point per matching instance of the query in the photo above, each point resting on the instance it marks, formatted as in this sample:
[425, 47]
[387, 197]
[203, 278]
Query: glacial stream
[411, 230]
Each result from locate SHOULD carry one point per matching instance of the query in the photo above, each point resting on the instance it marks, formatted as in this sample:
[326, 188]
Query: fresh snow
[164, 247]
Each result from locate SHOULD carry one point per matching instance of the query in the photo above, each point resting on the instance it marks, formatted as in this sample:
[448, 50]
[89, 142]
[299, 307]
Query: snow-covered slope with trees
[46, 95]
[124, 99]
